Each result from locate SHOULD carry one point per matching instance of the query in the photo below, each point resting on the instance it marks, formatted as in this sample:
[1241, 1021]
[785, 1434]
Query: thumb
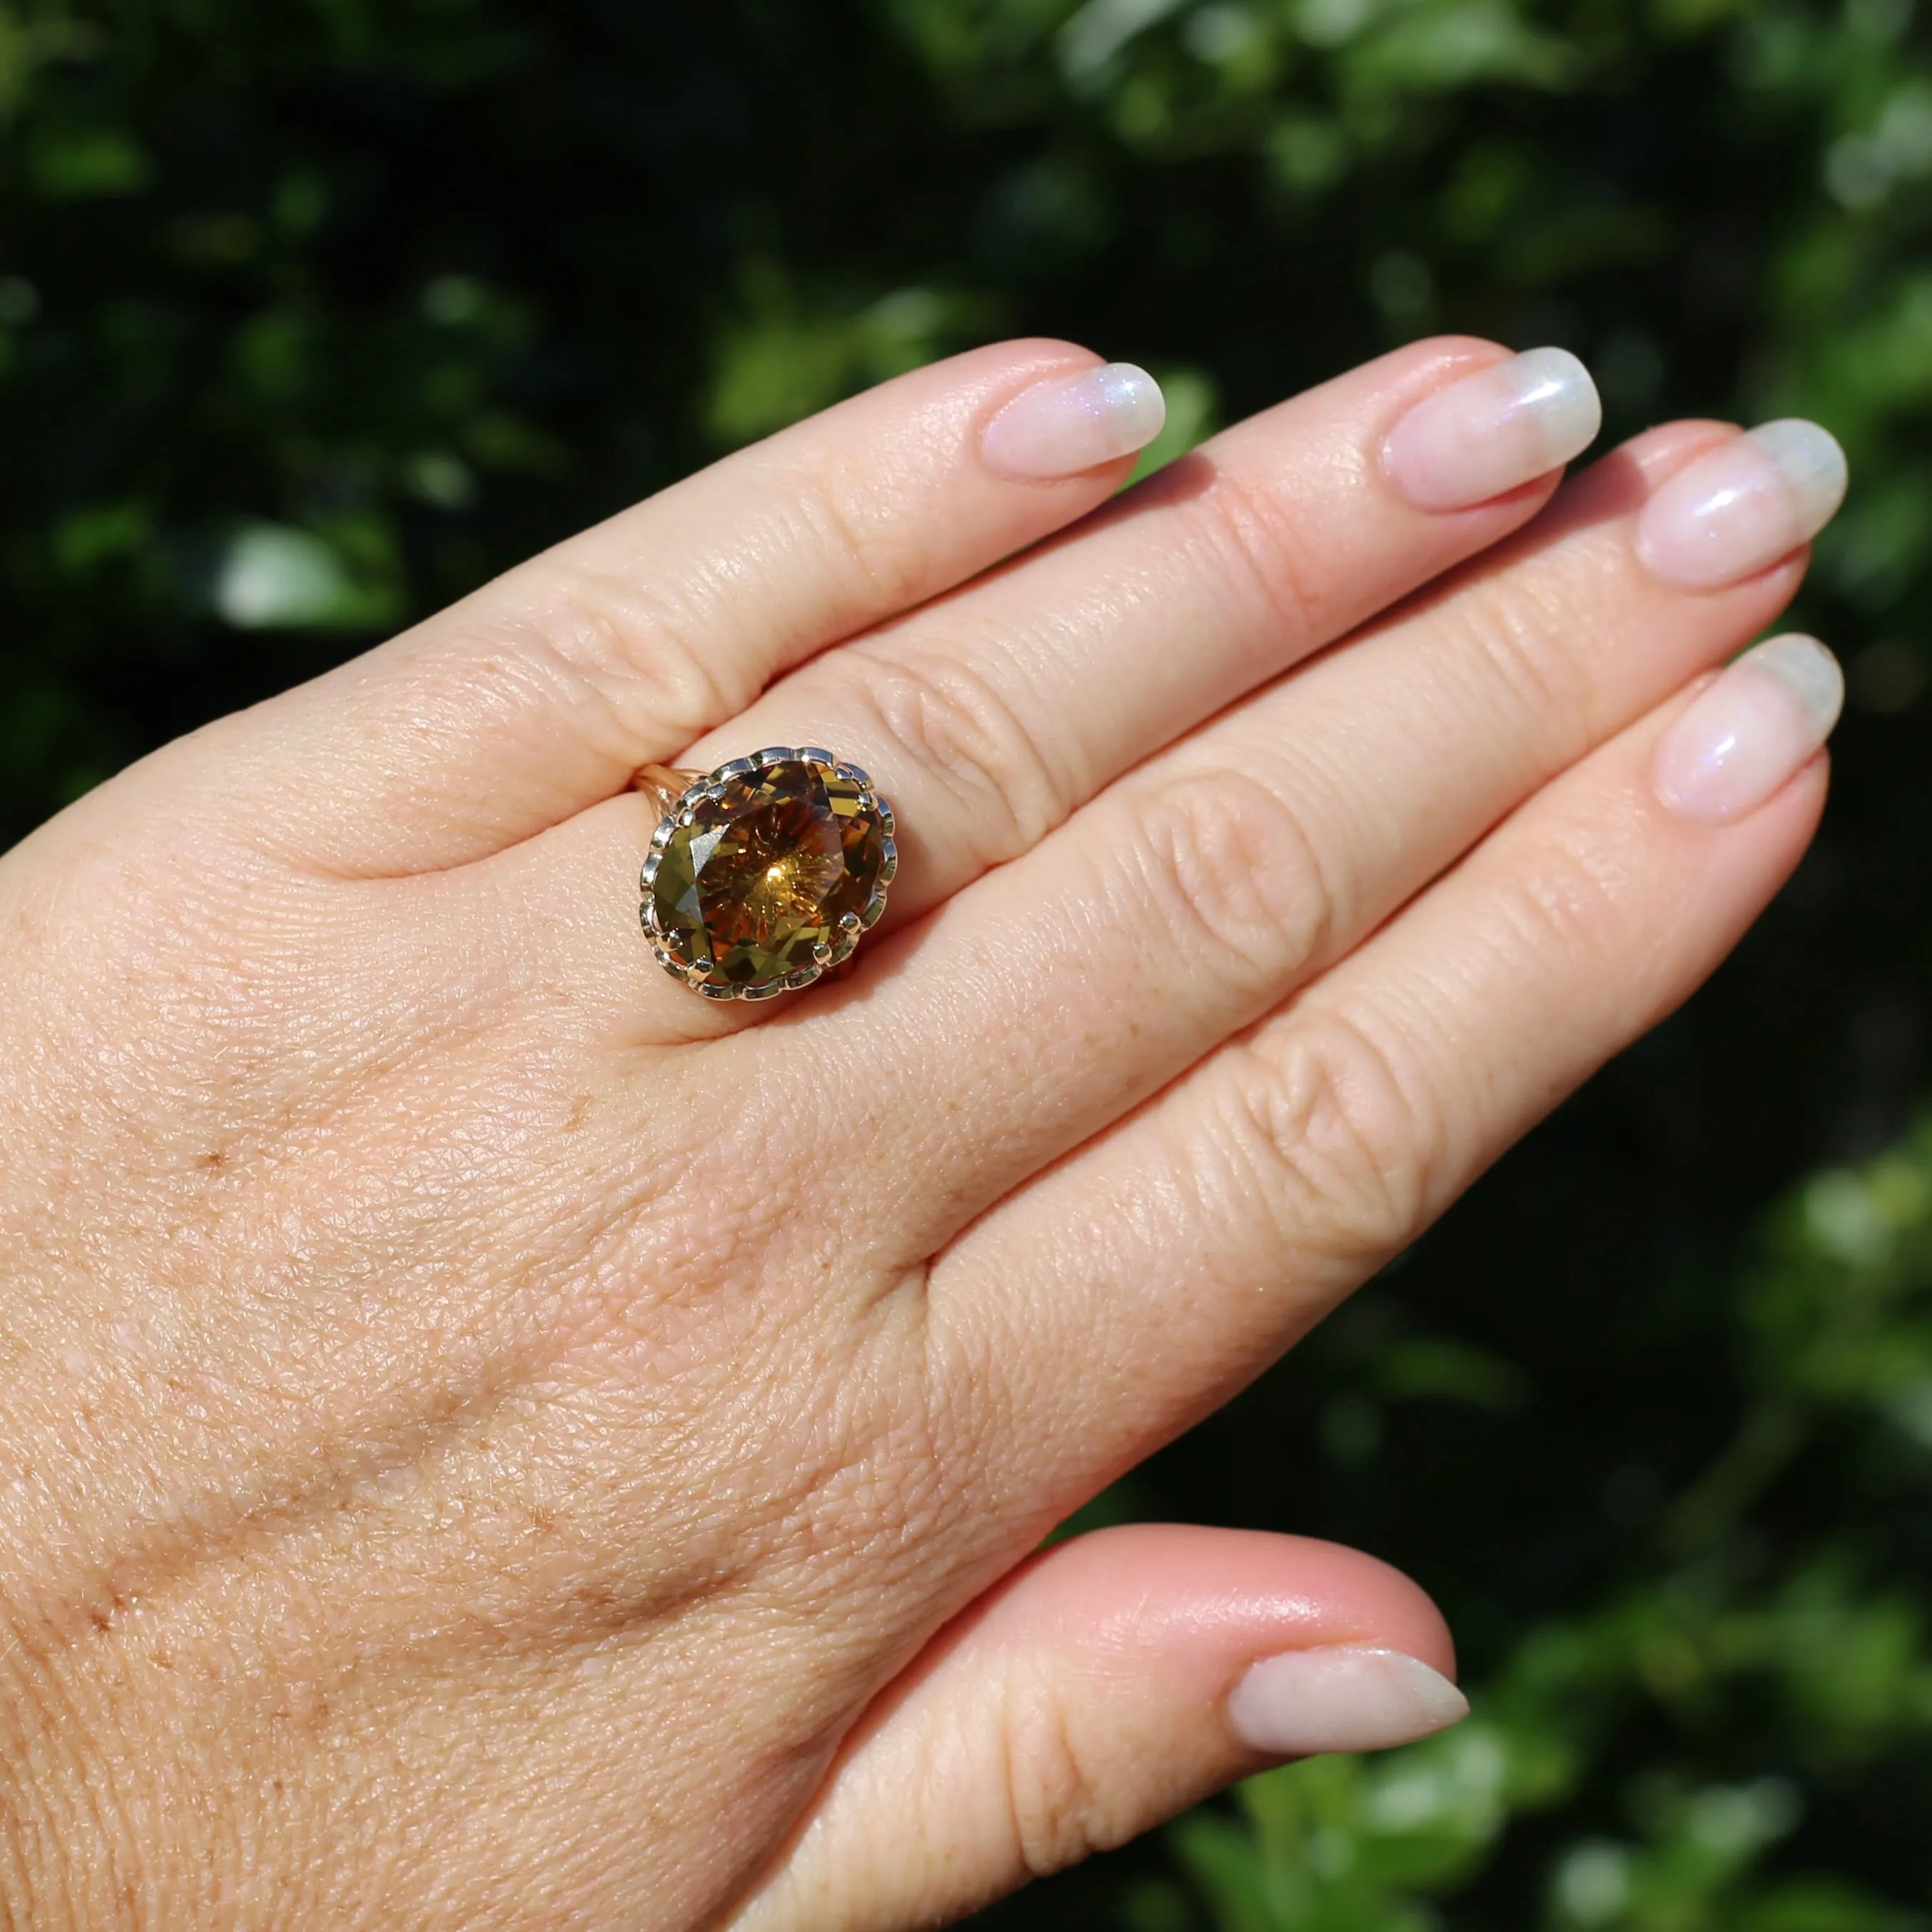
[1104, 1686]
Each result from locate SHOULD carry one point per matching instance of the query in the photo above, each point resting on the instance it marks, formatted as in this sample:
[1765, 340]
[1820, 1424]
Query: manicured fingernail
[1074, 423]
[1751, 732]
[1492, 431]
[1342, 1698]
[1743, 506]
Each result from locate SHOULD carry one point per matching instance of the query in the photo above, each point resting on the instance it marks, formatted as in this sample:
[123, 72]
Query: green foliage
[313, 316]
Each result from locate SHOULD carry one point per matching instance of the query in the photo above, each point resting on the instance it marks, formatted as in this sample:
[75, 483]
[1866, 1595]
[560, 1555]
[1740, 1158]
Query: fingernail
[1751, 732]
[1074, 423]
[1491, 431]
[1341, 1698]
[1743, 506]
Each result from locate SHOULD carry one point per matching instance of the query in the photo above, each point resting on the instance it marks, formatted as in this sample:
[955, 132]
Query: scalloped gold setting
[763, 875]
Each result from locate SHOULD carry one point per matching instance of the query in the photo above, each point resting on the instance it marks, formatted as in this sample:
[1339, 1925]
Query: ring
[763, 875]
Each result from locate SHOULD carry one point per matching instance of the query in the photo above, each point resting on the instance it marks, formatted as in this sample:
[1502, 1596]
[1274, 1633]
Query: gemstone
[774, 875]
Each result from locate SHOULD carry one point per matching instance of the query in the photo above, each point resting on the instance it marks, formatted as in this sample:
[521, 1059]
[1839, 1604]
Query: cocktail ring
[763, 874]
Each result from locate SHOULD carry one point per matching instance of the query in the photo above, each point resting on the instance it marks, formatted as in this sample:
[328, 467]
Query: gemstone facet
[763, 875]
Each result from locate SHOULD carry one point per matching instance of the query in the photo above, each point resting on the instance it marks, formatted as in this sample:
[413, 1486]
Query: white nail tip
[1493, 431]
[1750, 732]
[1340, 1698]
[1133, 401]
[1743, 505]
[1809, 673]
[1555, 392]
[1073, 424]
[1813, 466]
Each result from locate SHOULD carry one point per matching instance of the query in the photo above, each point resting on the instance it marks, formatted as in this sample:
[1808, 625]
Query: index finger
[543, 692]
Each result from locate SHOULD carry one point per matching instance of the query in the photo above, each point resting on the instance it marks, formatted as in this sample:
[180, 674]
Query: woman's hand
[489, 1439]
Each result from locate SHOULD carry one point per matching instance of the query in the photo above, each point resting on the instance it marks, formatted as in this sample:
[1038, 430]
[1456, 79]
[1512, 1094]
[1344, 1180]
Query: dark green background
[315, 313]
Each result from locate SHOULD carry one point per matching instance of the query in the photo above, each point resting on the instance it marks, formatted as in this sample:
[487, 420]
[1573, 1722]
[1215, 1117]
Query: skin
[492, 1441]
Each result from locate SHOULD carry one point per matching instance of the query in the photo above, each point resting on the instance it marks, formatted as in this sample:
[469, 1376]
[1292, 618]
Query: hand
[488, 1438]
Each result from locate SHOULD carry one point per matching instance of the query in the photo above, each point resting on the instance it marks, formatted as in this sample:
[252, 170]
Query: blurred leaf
[273, 578]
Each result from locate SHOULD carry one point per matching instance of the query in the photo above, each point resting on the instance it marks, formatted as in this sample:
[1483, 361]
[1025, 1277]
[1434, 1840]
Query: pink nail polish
[1493, 431]
[1751, 732]
[1739, 509]
[1341, 1698]
[1073, 424]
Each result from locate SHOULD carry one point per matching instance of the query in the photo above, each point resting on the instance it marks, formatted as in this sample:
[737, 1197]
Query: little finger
[1167, 1263]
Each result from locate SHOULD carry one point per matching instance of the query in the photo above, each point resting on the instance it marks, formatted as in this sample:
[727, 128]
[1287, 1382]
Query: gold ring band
[763, 875]
[663, 784]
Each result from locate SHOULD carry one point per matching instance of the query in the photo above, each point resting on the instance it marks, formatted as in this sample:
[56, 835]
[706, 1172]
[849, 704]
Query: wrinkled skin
[489, 1440]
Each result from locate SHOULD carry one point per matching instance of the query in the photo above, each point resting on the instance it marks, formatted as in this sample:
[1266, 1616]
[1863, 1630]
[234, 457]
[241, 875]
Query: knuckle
[1235, 875]
[956, 725]
[1521, 637]
[1272, 551]
[857, 530]
[1061, 1809]
[1562, 897]
[639, 648]
[1335, 1137]
[632, 653]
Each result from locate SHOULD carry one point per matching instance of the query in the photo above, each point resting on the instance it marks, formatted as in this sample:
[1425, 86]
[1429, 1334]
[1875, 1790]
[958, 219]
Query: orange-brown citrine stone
[767, 869]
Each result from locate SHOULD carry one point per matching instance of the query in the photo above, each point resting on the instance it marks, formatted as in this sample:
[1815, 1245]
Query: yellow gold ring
[763, 875]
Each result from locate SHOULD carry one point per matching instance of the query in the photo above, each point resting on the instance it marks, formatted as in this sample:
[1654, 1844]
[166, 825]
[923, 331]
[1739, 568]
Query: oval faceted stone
[765, 871]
